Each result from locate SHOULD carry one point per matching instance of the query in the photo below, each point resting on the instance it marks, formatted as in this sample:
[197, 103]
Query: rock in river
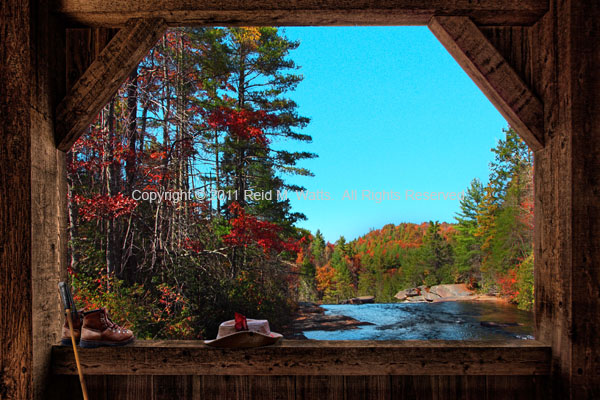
[359, 300]
[430, 296]
[453, 290]
[403, 294]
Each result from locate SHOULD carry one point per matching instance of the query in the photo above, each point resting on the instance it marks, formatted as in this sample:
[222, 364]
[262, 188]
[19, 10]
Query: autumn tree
[200, 113]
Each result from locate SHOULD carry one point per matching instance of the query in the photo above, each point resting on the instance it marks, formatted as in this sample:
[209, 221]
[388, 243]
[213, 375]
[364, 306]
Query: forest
[206, 112]
[488, 246]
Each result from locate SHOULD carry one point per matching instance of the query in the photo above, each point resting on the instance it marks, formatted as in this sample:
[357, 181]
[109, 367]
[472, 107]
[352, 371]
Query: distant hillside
[488, 248]
[380, 262]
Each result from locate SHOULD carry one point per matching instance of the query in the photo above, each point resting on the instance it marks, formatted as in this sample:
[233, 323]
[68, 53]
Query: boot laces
[111, 325]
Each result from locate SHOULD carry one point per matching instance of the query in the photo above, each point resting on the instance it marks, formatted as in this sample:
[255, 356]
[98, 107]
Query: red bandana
[240, 322]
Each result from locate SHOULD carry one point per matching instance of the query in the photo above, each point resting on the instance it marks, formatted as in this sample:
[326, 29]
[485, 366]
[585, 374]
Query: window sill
[308, 357]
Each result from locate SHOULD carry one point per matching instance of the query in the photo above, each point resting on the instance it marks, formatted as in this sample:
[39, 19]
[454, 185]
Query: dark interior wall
[32, 201]
[566, 54]
[322, 387]
[48, 188]
[16, 346]
[584, 108]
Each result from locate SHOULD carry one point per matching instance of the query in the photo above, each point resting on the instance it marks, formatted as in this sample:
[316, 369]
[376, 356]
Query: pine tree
[437, 255]
[467, 251]
[261, 75]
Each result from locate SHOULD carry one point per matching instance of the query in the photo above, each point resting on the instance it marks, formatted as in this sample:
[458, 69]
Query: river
[460, 320]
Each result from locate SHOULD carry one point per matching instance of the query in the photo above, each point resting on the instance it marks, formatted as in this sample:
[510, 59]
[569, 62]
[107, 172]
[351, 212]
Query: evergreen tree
[317, 248]
[467, 251]
[505, 239]
[344, 286]
[437, 256]
[258, 112]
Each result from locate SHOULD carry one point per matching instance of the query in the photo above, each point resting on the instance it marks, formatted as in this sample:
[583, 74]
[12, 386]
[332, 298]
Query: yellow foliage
[247, 36]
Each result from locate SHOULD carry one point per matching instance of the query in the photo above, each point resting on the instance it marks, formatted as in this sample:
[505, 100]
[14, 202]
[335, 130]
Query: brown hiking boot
[66, 333]
[98, 330]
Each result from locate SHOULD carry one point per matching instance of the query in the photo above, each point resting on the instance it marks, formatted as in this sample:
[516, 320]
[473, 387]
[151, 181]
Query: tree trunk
[131, 133]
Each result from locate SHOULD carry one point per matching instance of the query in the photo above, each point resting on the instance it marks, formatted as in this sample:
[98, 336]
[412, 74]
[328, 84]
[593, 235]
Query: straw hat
[242, 332]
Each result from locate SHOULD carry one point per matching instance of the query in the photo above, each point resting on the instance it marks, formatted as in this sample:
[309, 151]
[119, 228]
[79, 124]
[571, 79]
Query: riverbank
[311, 317]
[448, 320]
[443, 293]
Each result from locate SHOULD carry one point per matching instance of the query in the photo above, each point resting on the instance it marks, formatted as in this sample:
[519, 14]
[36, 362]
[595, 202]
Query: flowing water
[431, 321]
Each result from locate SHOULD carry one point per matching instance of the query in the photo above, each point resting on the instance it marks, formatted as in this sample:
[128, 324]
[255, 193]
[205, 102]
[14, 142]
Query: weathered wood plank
[566, 52]
[494, 76]
[167, 387]
[514, 44]
[469, 387]
[300, 12]
[354, 344]
[16, 341]
[306, 387]
[103, 78]
[314, 358]
[221, 387]
[584, 55]
[367, 387]
[48, 191]
[514, 387]
[272, 387]
[67, 387]
[82, 47]
[128, 387]
[320, 387]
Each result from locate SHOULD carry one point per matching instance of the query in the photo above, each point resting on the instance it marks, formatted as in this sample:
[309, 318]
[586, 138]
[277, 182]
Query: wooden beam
[82, 47]
[307, 357]
[300, 12]
[494, 76]
[103, 78]
[16, 335]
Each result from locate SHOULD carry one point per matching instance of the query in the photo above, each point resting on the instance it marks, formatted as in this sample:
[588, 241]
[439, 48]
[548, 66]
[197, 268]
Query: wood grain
[104, 77]
[307, 387]
[514, 44]
[320, 387]
[313, 358]
[48, 191]
[567, 304]
[300, 12]
[83, 46]
[16, 344]
[585, 291]
[494, 76]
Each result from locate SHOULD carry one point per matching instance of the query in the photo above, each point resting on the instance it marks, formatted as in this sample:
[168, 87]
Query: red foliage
[247, 229]
[526, 214]
[102, 206]
[243, 124]
[89, 149]
[508, 285]
[193, 245]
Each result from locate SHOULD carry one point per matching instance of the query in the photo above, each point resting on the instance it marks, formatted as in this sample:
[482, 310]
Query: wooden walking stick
[70, 310]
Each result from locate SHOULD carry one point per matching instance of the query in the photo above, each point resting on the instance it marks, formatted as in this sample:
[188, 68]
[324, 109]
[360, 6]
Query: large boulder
[452, 290]
[401, 295]
[430, 296]
[365, 299]
[359, 300]
[404, 294]
[416, 299]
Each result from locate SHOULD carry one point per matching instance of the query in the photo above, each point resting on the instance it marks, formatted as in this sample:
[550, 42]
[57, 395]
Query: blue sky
[390, 110]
